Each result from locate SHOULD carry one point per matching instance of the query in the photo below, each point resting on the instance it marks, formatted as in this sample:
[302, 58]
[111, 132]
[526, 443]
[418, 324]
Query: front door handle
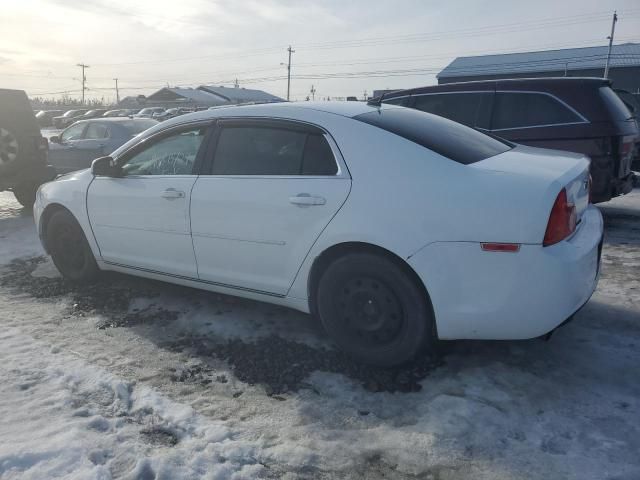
[306, 200]
[172, 194]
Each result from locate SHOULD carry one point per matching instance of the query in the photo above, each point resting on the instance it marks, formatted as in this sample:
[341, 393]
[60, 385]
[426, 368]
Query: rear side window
[257, 150]
[523, 109]
[450, 139]
[465, 108]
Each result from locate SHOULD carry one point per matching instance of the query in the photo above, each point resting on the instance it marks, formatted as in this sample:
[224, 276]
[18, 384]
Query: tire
[69, 248]
[26, 194]
[374, 310]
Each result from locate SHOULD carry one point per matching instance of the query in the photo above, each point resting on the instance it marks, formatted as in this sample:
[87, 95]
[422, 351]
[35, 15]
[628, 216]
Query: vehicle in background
[148, 112]
[582, 115]
[95, 113]
[116, 113]
[68, 118]
[352, 99]
[392, 226]
[633, 104]
[170, 113]
[45, 117]
[77, 146]
[23, 150]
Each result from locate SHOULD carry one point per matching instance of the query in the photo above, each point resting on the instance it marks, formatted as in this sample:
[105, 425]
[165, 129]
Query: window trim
[276, 122]
[537, 92]
[167, 132]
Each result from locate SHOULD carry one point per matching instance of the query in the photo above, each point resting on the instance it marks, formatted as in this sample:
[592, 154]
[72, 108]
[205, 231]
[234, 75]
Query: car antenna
[377, 101]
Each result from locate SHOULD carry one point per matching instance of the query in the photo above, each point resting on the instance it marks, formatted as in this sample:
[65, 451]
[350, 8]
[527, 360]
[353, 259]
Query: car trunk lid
[556, 170]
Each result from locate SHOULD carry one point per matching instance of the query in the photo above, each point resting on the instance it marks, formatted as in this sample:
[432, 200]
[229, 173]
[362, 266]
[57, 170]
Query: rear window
[615, 105]
[450, 139]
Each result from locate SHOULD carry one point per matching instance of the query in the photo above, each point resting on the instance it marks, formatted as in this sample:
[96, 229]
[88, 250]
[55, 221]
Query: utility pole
[84, 79]
[117, 92]
[613, 30]
[290, 50]
[365, 96]
[313, 92]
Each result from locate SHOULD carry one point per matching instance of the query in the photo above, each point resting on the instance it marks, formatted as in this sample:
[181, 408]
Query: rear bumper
[488, 295]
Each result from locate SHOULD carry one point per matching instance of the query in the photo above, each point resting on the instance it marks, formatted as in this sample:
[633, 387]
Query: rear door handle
[306, 200]
[172, 194]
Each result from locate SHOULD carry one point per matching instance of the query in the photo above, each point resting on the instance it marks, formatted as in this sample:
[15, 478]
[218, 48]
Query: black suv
[23, 150]
[581, 115]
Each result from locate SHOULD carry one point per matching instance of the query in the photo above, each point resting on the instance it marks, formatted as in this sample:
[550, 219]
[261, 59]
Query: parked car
[149, 112]
[77, 146]
[170, 113]
[95, 113]
[23, 150]
[68, 118]
[391, 225]
[116, 113]
[580, 115]
[45, 117]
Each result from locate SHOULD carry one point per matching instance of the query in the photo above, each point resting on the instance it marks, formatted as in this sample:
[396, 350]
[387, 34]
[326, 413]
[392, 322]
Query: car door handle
[172, 194]
[306, 200]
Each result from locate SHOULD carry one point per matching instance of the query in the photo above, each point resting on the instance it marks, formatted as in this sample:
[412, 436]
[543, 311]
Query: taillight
[562, 220]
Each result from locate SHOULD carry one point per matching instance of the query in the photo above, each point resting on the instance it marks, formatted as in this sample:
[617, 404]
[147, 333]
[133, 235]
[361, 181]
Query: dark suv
[23, 150]
[581, 115]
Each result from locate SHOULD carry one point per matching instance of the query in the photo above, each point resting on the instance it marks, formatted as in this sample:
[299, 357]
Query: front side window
[73, 133]
[96, 131]
[172, 155]
[258, 150]
[523, 109]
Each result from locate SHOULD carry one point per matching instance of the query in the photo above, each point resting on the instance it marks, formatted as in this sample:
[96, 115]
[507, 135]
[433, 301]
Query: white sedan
[393, 226]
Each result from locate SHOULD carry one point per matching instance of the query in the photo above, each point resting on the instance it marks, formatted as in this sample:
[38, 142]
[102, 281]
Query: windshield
[446, 137]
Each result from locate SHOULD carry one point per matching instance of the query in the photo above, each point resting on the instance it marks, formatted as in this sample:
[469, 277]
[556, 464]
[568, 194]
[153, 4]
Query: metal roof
[240, 95]
[624, 55]
[191, 95]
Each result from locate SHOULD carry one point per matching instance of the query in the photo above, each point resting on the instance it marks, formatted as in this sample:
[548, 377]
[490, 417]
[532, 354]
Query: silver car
[78, 145]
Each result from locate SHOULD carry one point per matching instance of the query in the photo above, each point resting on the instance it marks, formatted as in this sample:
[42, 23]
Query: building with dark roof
[624, 65]
[235, 95]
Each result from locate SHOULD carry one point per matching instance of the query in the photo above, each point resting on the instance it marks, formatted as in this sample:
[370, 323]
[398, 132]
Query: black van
[581, 115]
[23, 150]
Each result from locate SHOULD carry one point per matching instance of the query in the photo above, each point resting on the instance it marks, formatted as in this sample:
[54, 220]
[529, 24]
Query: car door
[272, 187]
[141, 219]
[64, 155]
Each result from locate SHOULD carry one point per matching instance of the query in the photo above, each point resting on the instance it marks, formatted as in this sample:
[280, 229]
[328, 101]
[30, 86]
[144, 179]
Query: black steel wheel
[69, 249]
[374, 309]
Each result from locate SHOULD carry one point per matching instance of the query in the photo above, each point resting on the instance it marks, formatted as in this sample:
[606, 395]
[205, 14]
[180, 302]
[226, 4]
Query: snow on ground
[100, 390]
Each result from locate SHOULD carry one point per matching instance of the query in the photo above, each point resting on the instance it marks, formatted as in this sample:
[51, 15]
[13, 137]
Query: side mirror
[105, 167]
[55, 139]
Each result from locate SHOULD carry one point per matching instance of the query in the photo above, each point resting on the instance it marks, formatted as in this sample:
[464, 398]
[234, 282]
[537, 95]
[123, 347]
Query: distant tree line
[66, 102]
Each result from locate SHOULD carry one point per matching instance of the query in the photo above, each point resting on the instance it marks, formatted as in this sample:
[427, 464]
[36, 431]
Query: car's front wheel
[374, 309]
[69, 248]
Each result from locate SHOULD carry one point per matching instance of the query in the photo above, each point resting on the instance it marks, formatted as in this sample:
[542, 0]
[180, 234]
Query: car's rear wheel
[374, 309]
[25, 194]
[69, 248]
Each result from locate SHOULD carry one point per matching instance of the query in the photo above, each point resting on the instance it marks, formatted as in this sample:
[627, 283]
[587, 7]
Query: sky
[341, 47]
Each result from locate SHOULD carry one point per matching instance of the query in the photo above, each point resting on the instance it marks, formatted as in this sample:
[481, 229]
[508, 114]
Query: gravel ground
[295, 407]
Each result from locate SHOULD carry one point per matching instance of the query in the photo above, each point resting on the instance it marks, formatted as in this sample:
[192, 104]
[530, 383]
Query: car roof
[345, 109]
[516, 83]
